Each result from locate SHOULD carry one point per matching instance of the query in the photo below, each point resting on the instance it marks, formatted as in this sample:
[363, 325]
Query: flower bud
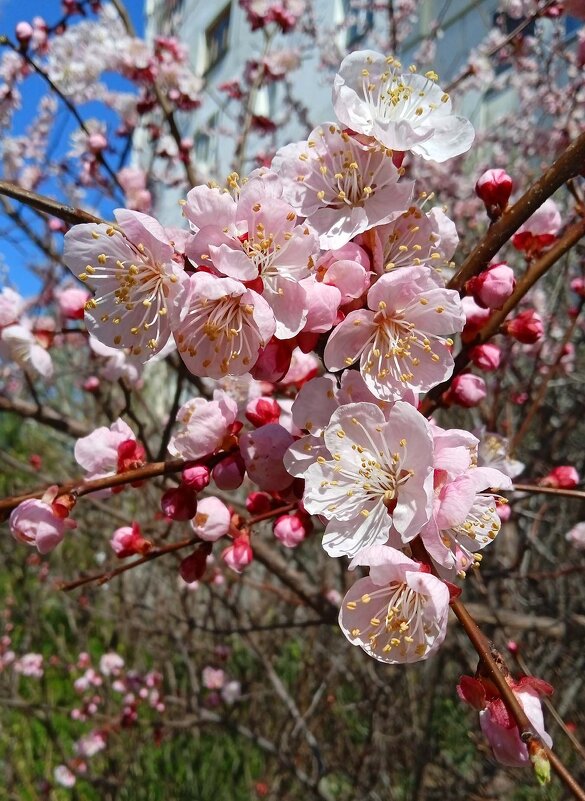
[493, 286]
[196, 477]
[239, 555]
[261, 411]
[494, 187]
[466, 390]
[193, 566]
[91, 384]
[486, 357]
[258, 502]
[526, 327]
[212, 520]
[229, 473]
[24, 32]
[562, 477]
[128, 541]
[291, 530]
[179, 503]
[273, 362]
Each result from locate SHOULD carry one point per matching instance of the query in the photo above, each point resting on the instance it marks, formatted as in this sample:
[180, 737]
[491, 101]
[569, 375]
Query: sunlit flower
[399, 612]
[403, 111]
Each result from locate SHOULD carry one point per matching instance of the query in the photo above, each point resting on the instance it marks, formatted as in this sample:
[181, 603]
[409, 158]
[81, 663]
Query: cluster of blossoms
[327, 249]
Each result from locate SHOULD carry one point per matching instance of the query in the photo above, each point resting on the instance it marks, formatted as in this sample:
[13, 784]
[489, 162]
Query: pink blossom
[30, 665]
[303, 366]
[415, 238]
[35, 522]
[540, 230]
[409, 313]
[263, 451]
[487, 357]
[23, 32]
[133, 182]
[101, 451]
[224, 329]
[466, 390]
[128, 541]
[562, 477]
[212, 520]
[213, 678]
[72, 302]
[19, 343]
[202, 426]
[111, 664]
[64, 777]
[323, 303]
[291, 529]
[493, 286]
[376, 472]
[90, 744]
[239, 555]
[256, 237]
[344, 186]
[399, 613]
[465, 517]
[139, 287]
[403, 111]
[576, 536]
[11, 306]
[496, 723]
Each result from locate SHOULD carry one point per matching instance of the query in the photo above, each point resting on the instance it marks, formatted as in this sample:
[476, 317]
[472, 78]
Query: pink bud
[273, 362]
[466, 390]
[179, 503]
[193, 566]
[562, 477]
[239, 555]
[196, 477]
[526, 327]
[128, 541]
[578, 286]
[97, 142]
[494, 187]
[258, 502]
[229, 473]
[290, 530]
[24, 32]
[493, 286]
[486, 357]
[503, 511]
[261, 411]
[91, 384]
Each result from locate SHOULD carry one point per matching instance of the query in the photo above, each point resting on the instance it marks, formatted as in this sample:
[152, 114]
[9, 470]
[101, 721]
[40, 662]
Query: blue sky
[16, 251]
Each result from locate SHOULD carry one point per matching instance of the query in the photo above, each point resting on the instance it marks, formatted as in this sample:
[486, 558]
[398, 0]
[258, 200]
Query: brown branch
[47, 205]
[528, 733]
[567, 493]
[81, 488]
[45, 415]
[568, 165]
[103, 578]
[570, 238]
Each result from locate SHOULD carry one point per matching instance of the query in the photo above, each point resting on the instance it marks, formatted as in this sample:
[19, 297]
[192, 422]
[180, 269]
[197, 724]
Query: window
[204, 140]
[359, 17]
[217, 38]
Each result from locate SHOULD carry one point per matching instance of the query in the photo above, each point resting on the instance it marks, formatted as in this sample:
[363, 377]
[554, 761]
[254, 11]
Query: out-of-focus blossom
[466, 390]
[576, 536]
[562, 477]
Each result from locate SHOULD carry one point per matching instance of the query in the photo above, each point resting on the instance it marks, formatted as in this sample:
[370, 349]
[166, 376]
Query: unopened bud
[527, 327]
[229, 473]
[493, 286]
[540, 762]
[196, 477]
[494, 187]
[466, 390]
[179, 503]
[261, 411]
[24, 32]
[487, 357]
[193, 566]
[562, 477]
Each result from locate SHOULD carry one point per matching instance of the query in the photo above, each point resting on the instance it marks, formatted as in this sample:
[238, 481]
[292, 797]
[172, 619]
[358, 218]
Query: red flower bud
[261, 411]
[179, 503]
[494, 187]
[526, 327]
